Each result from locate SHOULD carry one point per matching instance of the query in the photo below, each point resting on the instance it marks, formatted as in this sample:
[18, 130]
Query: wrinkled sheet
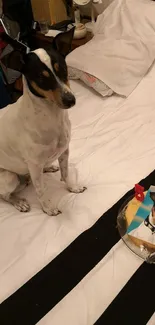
[113, 147]
[123, 48]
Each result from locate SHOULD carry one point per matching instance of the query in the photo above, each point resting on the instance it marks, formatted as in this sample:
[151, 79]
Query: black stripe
[41, 293]
[135, 303]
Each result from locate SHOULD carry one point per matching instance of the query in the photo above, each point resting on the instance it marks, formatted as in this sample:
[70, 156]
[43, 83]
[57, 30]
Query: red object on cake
[139, 192]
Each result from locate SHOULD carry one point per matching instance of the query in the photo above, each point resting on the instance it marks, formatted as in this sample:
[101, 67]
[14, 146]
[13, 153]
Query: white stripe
[152, 320]
[89, 299]
[45, 58]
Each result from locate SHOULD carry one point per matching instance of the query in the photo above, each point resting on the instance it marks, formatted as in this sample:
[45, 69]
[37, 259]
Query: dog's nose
[68, 100]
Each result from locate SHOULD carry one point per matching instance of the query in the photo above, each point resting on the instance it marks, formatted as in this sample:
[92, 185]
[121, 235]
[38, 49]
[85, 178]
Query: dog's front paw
[76, 189]
[51, 212]
[51, 169]
[49, 207]
[72, 182]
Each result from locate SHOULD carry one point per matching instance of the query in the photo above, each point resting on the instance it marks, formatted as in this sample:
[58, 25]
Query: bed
[74, 268]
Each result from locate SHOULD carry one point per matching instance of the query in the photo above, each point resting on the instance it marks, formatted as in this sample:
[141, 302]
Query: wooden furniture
[40, 40]
[53, 11]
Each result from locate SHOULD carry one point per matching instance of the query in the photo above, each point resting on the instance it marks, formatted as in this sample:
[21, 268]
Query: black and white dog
[36, 129]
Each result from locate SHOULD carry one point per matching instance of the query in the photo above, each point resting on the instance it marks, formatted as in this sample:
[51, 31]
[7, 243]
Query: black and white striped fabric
[87, 284]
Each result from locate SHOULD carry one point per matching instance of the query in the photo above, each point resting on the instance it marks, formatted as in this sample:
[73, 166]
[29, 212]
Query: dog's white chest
[51, 135]
[39, 135]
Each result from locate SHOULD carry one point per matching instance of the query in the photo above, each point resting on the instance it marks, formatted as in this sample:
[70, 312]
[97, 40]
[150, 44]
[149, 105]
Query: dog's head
[46, 70]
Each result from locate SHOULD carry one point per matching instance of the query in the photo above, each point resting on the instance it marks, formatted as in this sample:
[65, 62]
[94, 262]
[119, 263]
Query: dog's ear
[16, 45]
[14, 61]
[63, 41]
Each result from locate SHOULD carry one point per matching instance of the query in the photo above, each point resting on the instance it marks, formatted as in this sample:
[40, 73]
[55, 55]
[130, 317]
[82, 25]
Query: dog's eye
[41, 77]
[46, 82]
[56, 67]
[46, 74]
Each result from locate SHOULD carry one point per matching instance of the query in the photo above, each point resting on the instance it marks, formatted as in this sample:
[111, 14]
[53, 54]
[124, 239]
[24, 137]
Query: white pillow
[90, 81]
[123, 48]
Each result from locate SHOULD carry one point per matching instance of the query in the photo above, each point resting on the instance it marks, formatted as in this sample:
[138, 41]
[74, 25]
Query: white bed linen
[152, 320]
[113, 147]
[123, 48]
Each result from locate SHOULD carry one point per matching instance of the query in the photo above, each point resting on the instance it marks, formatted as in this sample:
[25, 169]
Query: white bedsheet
[123, 48]
[113, 147]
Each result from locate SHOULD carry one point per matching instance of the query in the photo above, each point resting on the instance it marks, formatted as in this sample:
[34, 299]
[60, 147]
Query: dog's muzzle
[68, 100]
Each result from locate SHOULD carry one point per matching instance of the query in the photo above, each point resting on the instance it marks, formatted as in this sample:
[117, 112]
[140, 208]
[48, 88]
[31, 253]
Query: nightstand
[79, 42]
[40, 40]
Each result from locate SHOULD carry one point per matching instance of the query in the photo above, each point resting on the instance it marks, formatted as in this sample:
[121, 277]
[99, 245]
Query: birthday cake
[140, 219]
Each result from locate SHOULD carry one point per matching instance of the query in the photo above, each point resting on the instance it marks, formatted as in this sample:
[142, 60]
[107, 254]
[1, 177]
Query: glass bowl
[145, 253]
